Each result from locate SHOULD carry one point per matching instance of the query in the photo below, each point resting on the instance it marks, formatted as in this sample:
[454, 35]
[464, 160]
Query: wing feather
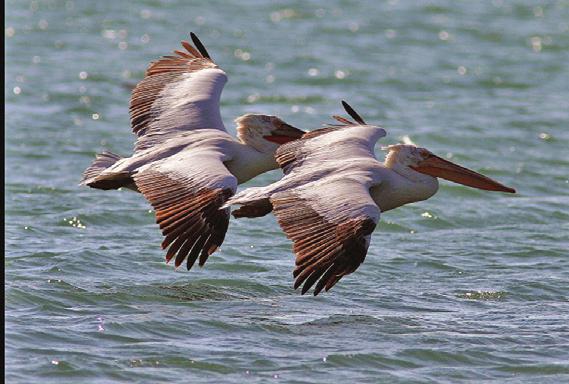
[187, 191]
[329, 222]
[317, 144]
[323, 203]
[179, 93]
[329, 143]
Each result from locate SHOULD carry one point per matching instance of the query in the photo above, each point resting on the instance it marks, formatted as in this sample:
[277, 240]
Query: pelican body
[185, 163]
[334, 190]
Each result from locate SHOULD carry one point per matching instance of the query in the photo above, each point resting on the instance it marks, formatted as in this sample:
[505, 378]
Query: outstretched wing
[331, 143]
[323, 203]
[187, 191]
[330, 223]
[179, 93]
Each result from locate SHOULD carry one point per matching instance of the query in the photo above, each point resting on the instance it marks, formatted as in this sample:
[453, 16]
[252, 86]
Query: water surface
[469, 286]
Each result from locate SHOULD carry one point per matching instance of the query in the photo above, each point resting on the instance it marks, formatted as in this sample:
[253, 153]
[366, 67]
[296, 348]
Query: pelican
[334, 190]
[185, 163]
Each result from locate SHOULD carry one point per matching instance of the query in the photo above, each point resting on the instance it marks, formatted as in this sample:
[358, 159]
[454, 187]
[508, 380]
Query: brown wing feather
[325, 251]
[290, 155]
[160, 73]
[343, 120]
[189, 216]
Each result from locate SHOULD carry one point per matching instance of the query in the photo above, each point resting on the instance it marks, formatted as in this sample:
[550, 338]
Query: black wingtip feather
[353, 113]
[199, 45]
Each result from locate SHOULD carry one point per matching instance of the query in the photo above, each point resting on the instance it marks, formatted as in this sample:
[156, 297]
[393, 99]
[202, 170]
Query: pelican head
[265, 133]
[424, 161]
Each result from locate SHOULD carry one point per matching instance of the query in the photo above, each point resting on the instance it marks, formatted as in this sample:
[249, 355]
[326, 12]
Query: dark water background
[468, 286]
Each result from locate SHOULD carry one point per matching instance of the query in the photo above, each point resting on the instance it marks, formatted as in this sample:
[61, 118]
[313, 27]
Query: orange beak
[284, 133]
[438, 167]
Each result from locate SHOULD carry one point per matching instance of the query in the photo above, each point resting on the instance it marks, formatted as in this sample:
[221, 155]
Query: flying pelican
[184, 162]
[334, 189]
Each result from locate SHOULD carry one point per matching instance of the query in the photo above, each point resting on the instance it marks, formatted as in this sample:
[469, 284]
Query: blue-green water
[468, 286]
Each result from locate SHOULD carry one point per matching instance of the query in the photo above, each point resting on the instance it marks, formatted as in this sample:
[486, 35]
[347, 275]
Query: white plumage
[184, 162]
[334, 189]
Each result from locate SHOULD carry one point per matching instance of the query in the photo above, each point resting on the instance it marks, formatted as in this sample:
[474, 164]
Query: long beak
[438, 167]
[284, 133]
